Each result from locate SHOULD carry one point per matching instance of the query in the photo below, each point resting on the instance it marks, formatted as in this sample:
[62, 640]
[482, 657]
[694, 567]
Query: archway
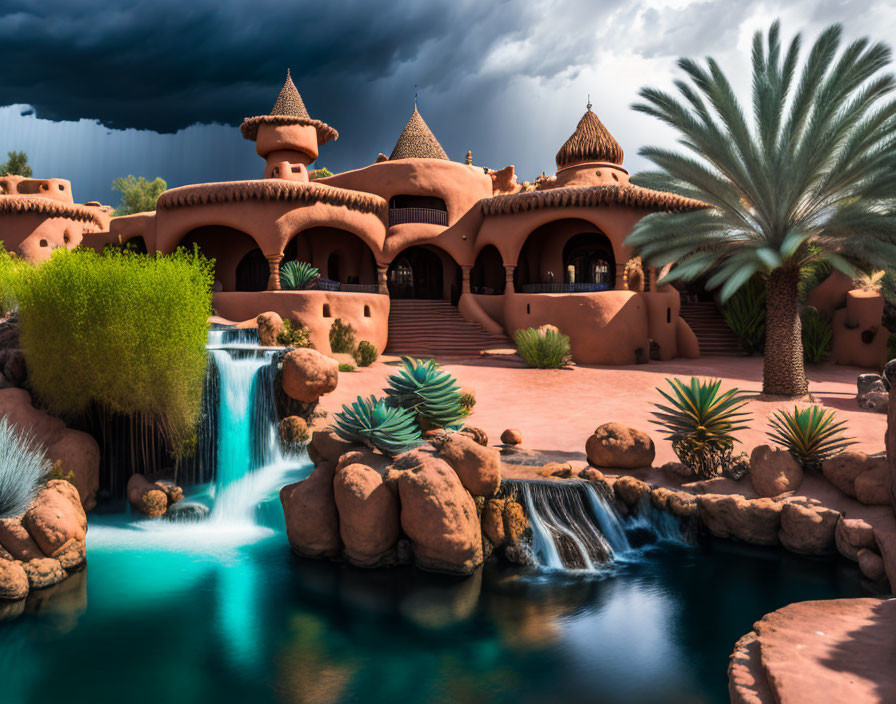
[422, 272]
[487, 275]
[340, 255]
[253, 272]
[588, 259]
[228, 247]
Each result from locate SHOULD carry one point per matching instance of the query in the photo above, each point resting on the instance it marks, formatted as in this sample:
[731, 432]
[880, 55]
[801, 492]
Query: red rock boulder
[13, 580]
[312, 522]
[44, 572]
[326, 445]
[493, 522]
[774, 472]
[755, 521]
[512, 436]
[617, 446]
[56, 517]
[368, 515]
[873, 487]
[79, 454]
[478, 467]
[146, 497]
[308, 374]
[438, 515]
[808, 529]
[269, 326]
[843, 469]
[630, 490]
[17, 541]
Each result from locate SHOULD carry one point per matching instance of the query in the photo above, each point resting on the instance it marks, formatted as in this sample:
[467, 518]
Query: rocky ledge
[811, 652]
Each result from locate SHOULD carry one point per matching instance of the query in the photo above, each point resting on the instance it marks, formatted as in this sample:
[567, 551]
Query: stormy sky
[93, 90]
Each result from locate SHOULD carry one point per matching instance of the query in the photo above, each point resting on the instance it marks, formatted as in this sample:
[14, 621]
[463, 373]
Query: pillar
[465, 273]
[508, 278]
[620, 277]
[382, 282]
[274, 264]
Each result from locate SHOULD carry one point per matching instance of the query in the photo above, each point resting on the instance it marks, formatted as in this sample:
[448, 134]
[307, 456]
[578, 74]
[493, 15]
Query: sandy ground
[557, 410]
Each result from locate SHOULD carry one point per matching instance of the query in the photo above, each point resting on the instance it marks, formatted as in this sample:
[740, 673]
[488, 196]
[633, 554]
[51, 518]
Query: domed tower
[591, 156]
[288, 138]
[417, 141]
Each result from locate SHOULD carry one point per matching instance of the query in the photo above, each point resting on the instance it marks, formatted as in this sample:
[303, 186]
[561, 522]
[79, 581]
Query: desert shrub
[811, 434]
[377, 424]
[10, 267]
[293, 335]
[22, 466]
[366, 353]
[346, 367]
[745, 314]
[342, 337]
[430, 393]
[812, 275]
[817, 334]
[295, 276]
[121, 331]
[543, 349]
[57, 471]
[701, 422]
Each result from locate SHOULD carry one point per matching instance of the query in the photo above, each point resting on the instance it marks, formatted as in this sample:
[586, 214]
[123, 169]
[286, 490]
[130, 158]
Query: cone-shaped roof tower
[288, 110]
[417, 141]
[590, 142]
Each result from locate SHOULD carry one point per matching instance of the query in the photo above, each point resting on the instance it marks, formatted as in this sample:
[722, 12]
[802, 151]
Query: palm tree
[812, 180]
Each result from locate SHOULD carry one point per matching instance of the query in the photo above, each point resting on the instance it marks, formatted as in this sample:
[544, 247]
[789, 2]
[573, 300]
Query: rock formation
[614, 445]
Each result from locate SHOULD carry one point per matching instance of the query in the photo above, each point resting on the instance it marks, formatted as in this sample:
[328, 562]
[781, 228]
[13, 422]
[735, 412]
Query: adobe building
[440, 256]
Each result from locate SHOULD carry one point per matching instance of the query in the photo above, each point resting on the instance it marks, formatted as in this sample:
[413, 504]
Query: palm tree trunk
[783, 371]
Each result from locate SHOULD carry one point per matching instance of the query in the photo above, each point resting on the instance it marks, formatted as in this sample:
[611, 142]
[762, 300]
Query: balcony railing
[565, 288]
[430, 216]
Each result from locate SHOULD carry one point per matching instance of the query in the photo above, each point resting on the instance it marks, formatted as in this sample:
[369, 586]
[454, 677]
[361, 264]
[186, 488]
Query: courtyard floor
[556, 410]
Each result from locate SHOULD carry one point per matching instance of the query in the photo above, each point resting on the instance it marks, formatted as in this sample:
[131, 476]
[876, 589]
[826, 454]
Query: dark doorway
[588, 259]
[416, 273]
[333, 267]
[487, 276]
[253, 272]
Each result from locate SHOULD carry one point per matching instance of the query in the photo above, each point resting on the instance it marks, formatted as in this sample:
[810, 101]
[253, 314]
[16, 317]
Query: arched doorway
[487, 275]
[340, 256]
[588, 259]
[253, 272]
[418, 272]
[229, 247]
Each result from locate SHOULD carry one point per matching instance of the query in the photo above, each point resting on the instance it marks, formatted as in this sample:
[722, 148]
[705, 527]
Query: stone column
[465, 284]
[508, 278]
[382, 284]
[274, 264]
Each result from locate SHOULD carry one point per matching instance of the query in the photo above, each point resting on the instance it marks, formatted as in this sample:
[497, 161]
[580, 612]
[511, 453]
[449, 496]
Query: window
[327, 310]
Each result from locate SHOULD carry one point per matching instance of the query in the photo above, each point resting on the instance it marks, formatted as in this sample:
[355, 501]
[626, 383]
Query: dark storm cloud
[165, 65]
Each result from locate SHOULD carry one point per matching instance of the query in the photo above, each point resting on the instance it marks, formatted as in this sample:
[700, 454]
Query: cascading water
[575, 528]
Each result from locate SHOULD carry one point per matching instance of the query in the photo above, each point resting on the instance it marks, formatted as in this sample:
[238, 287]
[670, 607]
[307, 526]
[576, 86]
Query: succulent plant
[432, 394]
[543, 348]
[811, 434]
[295, 276]
[294, 335]
[375, 423]
[701, 423]
[366, 353]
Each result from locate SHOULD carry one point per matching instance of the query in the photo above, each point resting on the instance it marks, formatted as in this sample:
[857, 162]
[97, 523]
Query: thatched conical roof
[417, 141]
[289, 109]
[590, 142]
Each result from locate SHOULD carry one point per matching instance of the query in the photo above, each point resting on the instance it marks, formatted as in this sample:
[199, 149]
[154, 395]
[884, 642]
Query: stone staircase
[430, 328]
[713, 333]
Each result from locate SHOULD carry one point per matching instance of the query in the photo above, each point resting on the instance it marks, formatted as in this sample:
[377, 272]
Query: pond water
[221, 612]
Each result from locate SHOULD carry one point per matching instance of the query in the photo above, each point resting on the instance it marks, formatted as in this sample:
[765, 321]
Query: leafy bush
[701, 423]
[346, 367]
[22, 466]
[342, 337]
[543, 349]
[810, 434]
[137, 194]
[10, 267]
[817, 334]
[745, 314]
[812, 275]
[293, 336]
[375, 423]
[366, 354]
[431, 394]
[295, 276]
[122, 331]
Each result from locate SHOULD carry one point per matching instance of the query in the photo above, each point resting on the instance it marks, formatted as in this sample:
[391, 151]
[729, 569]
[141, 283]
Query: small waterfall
[608, 520]
[657, 524]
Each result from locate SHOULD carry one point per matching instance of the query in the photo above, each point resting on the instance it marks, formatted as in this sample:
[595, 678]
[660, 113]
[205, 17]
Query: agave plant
[811, 434]
[375, 423]
[701, 423]
[433, 395]
[22, 465]
[295, 276]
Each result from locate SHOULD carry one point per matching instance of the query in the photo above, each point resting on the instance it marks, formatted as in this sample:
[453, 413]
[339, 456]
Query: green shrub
[122, 331]
[346, 367]
[373, 422]
[22, 466]
[366, 354]
[811, 276]
[10, 268]
[701, 423]
[295, 276]
[543, 349]
[745, 314]
[293, 335]
[342, 337]
[810, 434]
[817, 334]
[430, 393]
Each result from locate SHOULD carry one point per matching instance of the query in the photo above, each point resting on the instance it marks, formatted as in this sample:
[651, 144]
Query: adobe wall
[310, 308]
[58, 189]
[33, 236]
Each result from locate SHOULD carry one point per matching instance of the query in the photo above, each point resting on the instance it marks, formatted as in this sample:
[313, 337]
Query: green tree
[16, 165]
[137, 194]
[322, 172]
[811, 180]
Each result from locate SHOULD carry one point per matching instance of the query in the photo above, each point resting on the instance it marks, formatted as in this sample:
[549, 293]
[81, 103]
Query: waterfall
[575, 528]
